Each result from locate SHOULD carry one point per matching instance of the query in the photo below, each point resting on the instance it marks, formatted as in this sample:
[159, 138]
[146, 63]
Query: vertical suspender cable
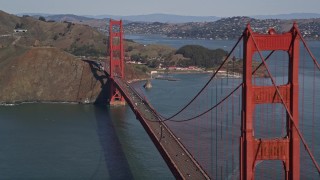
[216, 157]
[313, 106]
[211, 142]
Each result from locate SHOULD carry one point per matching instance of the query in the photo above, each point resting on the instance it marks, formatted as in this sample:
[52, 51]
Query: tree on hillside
[85, 50]
[19, 26]
[41, 18]
[201, 56]
[153, 64]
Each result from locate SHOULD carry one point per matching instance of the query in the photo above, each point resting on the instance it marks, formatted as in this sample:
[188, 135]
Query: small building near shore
[172, 68]
[20, 30]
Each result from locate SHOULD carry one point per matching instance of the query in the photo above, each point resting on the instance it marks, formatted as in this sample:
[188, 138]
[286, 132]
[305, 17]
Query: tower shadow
[114, 156]
[102, 77]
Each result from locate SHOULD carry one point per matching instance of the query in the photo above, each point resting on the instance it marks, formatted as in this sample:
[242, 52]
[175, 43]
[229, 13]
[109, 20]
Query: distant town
[211, 28]
[224, 29]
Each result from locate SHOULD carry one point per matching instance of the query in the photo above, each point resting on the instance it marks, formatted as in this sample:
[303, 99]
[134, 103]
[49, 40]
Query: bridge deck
[179, 160]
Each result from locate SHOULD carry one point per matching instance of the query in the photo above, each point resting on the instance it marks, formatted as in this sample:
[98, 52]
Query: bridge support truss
[116, 60]
[286, 149]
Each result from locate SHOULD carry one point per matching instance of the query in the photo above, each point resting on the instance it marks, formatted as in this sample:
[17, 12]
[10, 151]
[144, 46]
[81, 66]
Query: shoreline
[171, 72]
[132, 81]
[137, 80]
[183, 72]
[222, 75]
[41, 102]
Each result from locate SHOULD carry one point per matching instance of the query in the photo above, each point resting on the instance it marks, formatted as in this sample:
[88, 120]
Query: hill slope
[56, 34]
[47, 74]
[37, 66]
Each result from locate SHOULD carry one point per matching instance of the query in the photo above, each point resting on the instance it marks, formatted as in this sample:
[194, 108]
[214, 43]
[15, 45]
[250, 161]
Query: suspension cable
[216, 72]
[262, 62]
[309, 51]
[199, 115]
[205, 112]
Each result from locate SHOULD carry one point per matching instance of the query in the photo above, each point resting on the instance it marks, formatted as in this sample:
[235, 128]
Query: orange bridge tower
[116, 60]
[285, 149]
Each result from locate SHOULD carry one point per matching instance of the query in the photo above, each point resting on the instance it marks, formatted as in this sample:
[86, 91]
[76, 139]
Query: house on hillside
[20, 30]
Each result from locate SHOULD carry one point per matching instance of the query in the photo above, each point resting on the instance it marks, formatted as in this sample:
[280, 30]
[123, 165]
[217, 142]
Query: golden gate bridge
[257, 127]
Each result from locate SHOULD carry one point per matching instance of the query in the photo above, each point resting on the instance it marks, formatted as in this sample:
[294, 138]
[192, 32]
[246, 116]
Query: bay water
[69, 141]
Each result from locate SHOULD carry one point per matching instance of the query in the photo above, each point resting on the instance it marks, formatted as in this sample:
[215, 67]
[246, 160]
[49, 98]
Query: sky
[221, 8]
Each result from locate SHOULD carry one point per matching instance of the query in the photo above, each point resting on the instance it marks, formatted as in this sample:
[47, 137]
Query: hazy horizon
[144, 7]
[36, 13]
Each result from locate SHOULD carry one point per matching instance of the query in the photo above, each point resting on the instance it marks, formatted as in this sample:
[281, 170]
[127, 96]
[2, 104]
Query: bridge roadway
[179, 160]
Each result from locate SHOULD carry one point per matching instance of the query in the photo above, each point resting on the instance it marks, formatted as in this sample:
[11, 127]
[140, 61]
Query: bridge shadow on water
[114, 156]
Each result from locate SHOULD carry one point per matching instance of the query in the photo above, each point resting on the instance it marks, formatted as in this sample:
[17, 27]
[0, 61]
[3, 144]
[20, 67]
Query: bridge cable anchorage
[285, 105]
[216, 72]
[220, 102]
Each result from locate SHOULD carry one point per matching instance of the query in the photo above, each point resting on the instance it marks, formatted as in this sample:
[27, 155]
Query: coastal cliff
[48, 75]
